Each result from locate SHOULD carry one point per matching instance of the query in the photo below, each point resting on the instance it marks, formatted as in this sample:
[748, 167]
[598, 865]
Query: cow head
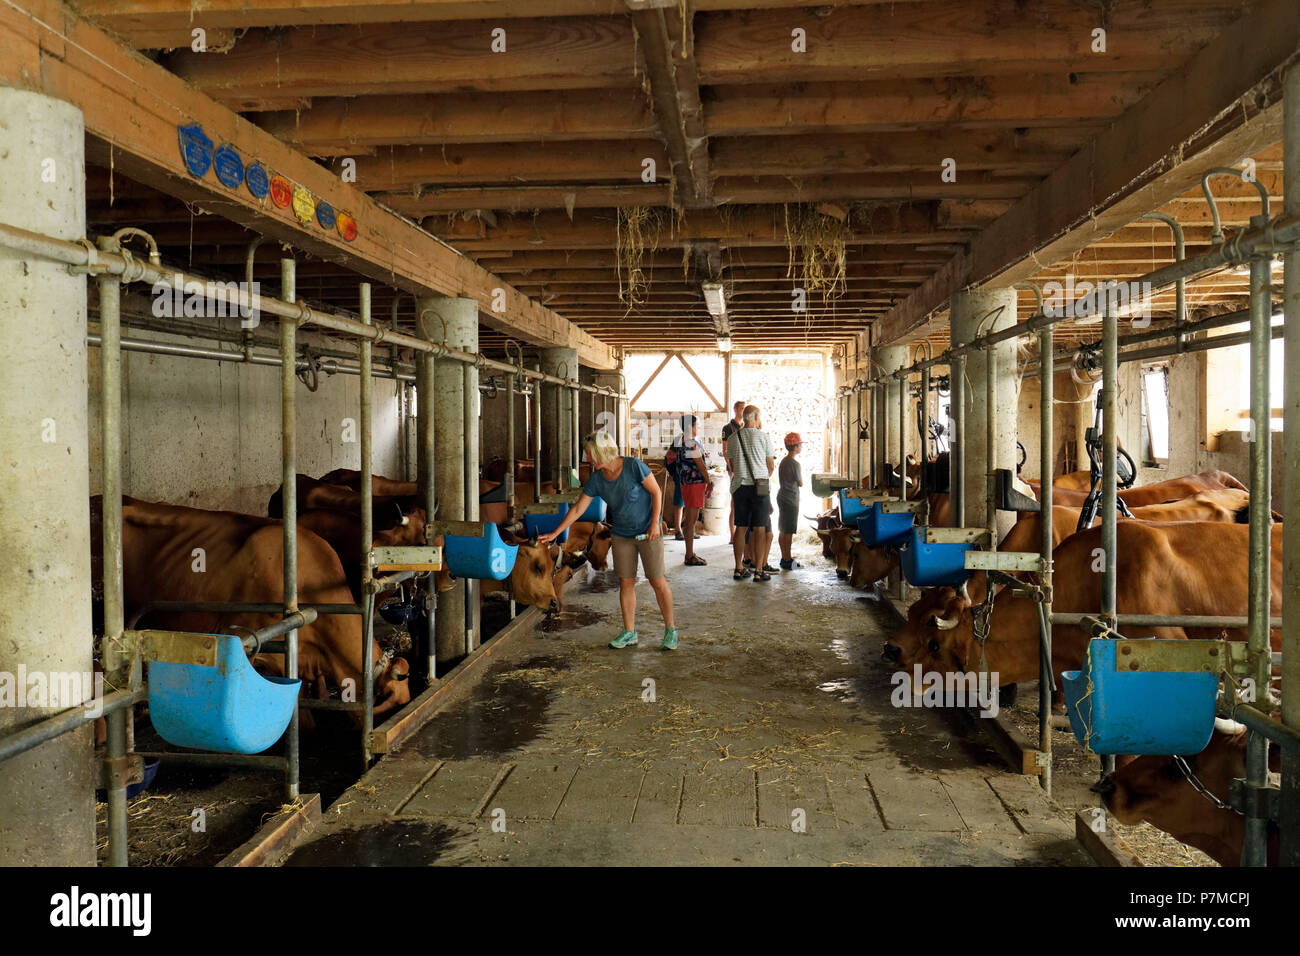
[1154, 789]
[532, 580]
[598, 547]
[868, 565]
[931, 635]
[840, 542]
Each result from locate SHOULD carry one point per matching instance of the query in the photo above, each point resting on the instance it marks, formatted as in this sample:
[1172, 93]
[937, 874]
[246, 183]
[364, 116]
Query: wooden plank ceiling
[768, 157]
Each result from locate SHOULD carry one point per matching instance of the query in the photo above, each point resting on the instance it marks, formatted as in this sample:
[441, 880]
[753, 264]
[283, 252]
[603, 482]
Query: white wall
[207, 434]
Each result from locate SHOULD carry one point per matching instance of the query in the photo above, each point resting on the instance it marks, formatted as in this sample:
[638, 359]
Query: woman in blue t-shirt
[634, 502]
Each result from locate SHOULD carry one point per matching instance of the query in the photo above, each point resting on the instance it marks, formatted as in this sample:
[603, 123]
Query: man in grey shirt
[749, 451]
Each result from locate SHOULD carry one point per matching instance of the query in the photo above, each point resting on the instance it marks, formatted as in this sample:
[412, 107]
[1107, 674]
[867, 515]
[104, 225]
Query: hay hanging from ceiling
[815, 243]
[639, 229]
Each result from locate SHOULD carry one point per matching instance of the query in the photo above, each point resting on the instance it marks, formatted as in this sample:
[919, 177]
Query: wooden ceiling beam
[1030, 152]
[413, 167]
[1221, 106]
[1050, 98]
[740, 225]
[132, 109]
[339, 126]
[422, 57]
[667, 48]
[949, 38]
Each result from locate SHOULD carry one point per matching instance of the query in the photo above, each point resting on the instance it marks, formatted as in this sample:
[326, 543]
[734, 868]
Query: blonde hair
[601, 448]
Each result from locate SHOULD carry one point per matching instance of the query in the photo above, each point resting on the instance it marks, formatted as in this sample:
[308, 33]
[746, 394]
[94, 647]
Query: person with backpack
[690, 470]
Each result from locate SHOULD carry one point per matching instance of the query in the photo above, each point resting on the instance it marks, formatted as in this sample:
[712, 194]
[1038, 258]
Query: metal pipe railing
[289, 510]
[367, 595]
[1255, 851]
[132, 269]
[1289, 821]
[1046, 471]
[66, 721]
[114, 661]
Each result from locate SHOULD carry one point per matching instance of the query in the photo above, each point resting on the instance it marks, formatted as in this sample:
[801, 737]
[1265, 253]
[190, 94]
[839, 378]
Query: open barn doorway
[789, 387]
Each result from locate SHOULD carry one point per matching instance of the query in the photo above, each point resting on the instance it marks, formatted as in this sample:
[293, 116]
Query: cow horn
[1231, 727]
[943, 624]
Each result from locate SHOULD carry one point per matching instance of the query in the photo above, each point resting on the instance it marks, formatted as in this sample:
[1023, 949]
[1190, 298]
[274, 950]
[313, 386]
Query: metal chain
[1199, 787]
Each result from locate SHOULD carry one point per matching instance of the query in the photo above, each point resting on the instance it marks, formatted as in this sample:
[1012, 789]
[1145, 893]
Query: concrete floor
[774, 711]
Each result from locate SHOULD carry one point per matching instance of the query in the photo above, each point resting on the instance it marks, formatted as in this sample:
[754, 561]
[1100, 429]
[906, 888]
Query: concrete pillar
[557, 413]
[457, 631]
[890, 359]
[975, 313]
[47, 810]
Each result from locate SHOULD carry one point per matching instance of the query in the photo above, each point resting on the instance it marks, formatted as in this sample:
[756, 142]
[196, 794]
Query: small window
[1155, 415]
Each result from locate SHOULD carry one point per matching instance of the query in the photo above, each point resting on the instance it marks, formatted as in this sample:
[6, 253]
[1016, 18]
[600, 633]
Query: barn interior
[263, 254]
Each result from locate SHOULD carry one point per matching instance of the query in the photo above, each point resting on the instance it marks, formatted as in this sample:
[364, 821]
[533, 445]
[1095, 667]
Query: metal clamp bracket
[409, 558]
[979, 537]
[1003, 561]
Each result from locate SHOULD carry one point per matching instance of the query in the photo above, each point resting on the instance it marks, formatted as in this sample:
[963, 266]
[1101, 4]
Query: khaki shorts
[652, 557]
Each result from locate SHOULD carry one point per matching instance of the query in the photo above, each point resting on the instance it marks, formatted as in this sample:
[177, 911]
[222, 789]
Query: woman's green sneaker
[670, 638]
[626, 639]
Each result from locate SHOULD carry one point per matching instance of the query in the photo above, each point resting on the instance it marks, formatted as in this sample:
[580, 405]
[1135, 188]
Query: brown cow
[840, 542]
[1173, 489]
[1185, 567]
[387, 510]
[1026, 535]
[1154, 789]
[379, 485]
[342, 530]
[535, 578]
[243, 559]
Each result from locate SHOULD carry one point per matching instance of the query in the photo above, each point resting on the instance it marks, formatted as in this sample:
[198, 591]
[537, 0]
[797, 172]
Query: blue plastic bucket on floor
[928, 565]
[851, 509]
[230, 708]
[545, 524]
[882, 529]
[487, 558]
[1114, 711]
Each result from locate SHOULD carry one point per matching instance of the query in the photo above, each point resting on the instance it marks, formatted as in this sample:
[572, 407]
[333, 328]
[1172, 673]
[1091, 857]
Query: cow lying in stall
[1154, 789]
[242, 559]
[1186, 567]
[1224, 506]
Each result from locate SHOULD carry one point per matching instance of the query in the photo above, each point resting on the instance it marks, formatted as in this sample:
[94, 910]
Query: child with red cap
[787, 499]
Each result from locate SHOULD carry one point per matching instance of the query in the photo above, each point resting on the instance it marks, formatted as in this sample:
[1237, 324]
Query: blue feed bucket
[229, 708]
[487, 558]
[595, 511]
[850, 508]
[545, 524]
[933, 565]
[881, 529]
[1114, 711]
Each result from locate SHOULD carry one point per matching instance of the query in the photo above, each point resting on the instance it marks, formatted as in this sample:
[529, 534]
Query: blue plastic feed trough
[595, 512]
[488, 558]
[928, 565]
[1114, 711]
[882, 529]
[545, 524]
[229, 708]
[851, 509]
